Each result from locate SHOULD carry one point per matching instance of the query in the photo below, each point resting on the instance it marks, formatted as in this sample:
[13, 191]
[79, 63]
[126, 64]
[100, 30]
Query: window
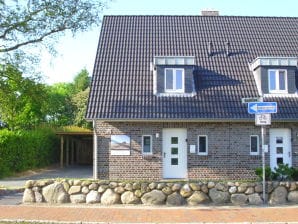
[277, 81]
[147, 144]
[174, 80]
[202, 145]
[254, 145]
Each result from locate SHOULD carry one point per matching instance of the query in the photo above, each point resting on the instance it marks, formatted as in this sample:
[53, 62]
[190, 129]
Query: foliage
[21, 99]
[281, 172]
[72, 129]
[81, 81]
[23, 150]
[29, 22]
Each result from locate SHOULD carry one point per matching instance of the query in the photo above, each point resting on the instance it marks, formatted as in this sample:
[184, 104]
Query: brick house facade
[157, 75]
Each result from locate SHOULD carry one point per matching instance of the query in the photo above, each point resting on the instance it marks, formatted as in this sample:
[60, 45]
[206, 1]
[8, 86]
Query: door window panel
[174, 140]
[279, 140]
[279, 160]
[174, 161]
[174, 151]
[279, 150]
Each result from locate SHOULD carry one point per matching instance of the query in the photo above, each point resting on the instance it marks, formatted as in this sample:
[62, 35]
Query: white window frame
[203, 153]
[258, 145]
[147, 153]
[174, 90]
[278, 90]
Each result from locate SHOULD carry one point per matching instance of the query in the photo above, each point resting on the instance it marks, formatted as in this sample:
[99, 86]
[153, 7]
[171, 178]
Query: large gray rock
[176, 187]
[278, 196]
[219, 197]
[77, 198]
[198, 197]
[28, 196]
[255, 199]
[242, 188]
[38, 197]
[155, 197]
[239, 199]
[222, 187]
[293, 196]
[233, 190]
[186, 191]
[110, 197]
[128, 197]
[55, 193]
[93, 197]
[175, 199]
[93, 186]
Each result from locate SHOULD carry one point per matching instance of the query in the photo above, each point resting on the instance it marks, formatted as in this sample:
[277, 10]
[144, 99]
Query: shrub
[23, 150]
[269, 175]
[281, 172]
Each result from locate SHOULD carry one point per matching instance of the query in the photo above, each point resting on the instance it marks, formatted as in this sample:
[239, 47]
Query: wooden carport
[76, 147]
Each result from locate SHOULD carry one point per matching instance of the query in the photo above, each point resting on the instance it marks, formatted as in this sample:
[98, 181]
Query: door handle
[164, 155]
[289, 154]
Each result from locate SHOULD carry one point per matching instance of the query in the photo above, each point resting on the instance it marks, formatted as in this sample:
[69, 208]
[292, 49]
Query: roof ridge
[229, 16]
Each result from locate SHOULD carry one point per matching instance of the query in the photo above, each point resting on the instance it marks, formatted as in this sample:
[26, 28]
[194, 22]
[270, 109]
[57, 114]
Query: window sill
[176, 94]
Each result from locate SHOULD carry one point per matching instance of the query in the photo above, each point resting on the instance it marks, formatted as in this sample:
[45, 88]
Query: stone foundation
[158, 193]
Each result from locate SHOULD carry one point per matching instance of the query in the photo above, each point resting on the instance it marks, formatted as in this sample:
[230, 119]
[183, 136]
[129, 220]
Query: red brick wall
[228, 150]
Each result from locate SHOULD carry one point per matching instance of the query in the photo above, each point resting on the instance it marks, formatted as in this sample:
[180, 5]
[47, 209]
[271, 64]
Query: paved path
[143, 214]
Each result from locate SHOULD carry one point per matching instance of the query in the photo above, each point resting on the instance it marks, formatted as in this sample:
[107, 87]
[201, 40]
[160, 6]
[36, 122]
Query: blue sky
[76, 53]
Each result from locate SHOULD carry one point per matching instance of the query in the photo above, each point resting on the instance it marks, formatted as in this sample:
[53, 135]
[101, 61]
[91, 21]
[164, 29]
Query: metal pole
[263, 163]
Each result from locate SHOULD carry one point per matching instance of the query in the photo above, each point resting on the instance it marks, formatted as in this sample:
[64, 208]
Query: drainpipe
[95, 152]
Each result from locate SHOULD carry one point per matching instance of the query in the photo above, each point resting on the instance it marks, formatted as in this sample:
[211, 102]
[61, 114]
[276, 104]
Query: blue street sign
[262, 107]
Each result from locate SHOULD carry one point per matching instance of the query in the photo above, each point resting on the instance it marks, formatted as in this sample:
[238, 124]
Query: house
[166, 96]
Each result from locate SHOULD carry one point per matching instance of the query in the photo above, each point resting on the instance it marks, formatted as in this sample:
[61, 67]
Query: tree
[21, 99]
[81, 81]
[31, 21]
[79, 101]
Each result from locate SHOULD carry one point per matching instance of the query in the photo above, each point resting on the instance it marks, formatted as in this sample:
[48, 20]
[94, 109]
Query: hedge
[24, 150]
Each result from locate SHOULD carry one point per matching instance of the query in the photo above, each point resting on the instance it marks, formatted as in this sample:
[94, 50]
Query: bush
[269, 175]
[23, 150]
[281, 172]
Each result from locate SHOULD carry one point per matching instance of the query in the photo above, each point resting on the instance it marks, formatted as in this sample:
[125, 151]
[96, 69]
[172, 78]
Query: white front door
[280, 147]
[174, 153]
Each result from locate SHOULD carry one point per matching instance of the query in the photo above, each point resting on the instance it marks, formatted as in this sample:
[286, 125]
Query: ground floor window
[147, 144]
[254, 145]
[202, 145]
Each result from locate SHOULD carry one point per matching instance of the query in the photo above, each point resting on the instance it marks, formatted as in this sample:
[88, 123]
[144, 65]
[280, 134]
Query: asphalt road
[14, 198]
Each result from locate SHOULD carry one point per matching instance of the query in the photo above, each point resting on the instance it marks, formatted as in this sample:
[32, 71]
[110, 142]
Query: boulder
[113, 185]
[78, 198]
[198, 197]
[152, 185]
[77, 182]
[167, 190]
[128, 187]
[136, 186]
[160, 186]
[66, 186]
[30, 183]
[239, 199]
[250, 190]
[86, 183]
[293, 196]
[292, 186]
[204, 189]
[242, 188]
[38, 197]
[259, 188]
[195, 186]
[119, 190]
[221, 187]
[138, 193]
[175, 199]
[255, 199]
[110, 197]
[185, 191]
[278, 196]
[102, 188]
[145, 187]
[93, 197]
[233, 190]
[128, 197]
[211, 184]
[28, 196]
[176, 187]
[219, 197]
[155, 197]
[85, 190]
[74, 190]
[55, 193]
[93, 186]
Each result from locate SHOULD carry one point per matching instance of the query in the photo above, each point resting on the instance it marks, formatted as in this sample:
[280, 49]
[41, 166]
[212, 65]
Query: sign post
[263, 111]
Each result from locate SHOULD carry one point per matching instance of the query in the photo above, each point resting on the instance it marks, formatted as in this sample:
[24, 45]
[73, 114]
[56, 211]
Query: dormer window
[174, 80]
[277, 81]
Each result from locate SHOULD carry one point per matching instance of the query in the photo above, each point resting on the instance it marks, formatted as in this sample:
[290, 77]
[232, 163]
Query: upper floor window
[174, 80]
[277, 81]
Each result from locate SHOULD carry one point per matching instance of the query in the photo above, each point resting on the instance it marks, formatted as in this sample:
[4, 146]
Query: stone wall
[158, 193]
[228, 150]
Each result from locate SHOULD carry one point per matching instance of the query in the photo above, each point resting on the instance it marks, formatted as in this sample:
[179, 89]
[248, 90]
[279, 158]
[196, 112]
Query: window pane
[146, 143]
[169, 79]
[279, 160]
[272, 81]
[174, 151]
[174, 140]
[174, 161]
[202, 144]
[179, 80]
[279, 140]
[253, 143]
[279, 150]
[282, 80]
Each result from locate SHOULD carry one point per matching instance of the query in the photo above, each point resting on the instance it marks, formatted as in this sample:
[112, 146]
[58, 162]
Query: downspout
[95, 152]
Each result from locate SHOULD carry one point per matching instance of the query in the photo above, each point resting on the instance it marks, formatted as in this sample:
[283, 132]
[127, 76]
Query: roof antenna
[210, 49]
[228, 48]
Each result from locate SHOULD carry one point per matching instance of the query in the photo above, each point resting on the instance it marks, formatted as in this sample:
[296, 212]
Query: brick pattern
[228, 150]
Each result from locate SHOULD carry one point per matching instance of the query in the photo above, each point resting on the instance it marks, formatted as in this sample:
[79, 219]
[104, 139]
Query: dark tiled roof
[122, 84]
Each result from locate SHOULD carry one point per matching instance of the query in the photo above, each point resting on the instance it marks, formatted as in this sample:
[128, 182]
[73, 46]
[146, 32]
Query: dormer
[275, 76]
[173, 76]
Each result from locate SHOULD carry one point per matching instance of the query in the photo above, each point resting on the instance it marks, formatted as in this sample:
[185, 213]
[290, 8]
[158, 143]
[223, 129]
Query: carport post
[67, 151]
[95, 168]
[61, 151]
